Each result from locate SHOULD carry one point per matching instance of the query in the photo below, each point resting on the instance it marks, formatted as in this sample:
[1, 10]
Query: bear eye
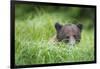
[76, 36]
[67, 37]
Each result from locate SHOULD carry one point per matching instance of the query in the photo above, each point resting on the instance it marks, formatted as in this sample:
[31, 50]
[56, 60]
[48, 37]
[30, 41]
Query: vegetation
[34, 26]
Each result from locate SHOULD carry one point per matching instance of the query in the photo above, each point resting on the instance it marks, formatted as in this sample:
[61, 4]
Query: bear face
[69, 33]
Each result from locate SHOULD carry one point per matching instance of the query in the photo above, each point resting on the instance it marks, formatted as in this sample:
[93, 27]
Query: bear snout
[72, 41]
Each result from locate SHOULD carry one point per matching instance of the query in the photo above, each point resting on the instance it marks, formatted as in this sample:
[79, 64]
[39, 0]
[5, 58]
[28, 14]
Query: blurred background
[61, 14]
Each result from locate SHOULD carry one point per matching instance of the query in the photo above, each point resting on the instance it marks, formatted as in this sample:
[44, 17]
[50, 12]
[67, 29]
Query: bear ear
[80, 26]
[58, 26]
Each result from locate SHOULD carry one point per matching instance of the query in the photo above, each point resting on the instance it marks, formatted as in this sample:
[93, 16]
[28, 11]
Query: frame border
[12, 34]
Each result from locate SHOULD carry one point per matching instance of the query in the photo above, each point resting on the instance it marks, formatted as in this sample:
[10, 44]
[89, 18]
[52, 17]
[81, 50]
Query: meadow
[34, 29]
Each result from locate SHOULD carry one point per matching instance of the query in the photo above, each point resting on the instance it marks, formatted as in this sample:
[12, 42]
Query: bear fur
[68, 33]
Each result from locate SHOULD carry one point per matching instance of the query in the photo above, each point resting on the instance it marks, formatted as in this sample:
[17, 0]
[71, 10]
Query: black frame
[12, 35]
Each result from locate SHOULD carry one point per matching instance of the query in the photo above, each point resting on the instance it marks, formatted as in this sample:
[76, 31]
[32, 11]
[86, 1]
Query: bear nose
[72, 41]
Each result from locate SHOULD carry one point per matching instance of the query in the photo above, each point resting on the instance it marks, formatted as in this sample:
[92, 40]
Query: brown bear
[69, 33]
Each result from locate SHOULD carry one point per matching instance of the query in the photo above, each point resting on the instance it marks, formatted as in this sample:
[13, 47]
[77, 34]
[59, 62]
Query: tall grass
[32, 47]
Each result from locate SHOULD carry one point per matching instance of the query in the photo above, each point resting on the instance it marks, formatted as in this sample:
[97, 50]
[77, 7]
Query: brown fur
[69, 33]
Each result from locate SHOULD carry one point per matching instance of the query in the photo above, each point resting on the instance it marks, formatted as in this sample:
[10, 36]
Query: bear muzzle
[72, 41]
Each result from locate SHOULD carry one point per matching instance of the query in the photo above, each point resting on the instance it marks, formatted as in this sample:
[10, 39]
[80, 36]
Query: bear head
[69, 33]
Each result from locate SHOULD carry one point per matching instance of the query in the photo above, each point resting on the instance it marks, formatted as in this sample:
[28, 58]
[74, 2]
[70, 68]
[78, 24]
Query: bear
[68, 33]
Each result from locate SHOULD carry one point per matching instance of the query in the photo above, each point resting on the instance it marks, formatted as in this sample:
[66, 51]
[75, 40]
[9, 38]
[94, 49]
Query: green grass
[32, 46]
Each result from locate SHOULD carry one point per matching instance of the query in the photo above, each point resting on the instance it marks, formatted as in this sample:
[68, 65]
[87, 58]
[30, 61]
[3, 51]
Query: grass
[32, 47]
